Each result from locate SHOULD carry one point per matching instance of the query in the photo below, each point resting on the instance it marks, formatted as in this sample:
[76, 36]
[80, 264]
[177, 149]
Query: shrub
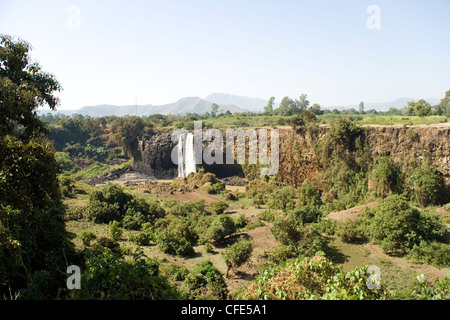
[220, 227]
[107, 204]
[343, 134]
[349, 231]
[111, 244]
[204, 282]
[440, 290]
[208, 248]
[427, 186]
[313, 277]
[240, 221]
[257, 186]
[434, 253]
[177, 272]
[184, 209]
[301, 240]
[309, 195]
[218, 187]
[267, 215]
[115, 231]
[218, 207]
[305, 214]
[237, 254]
[134, 279]
[282, 199]
[168, 241]
[398, 227]
[112, 203]
[140, 239]
[86, 237]
[327, 227]
[385, 178]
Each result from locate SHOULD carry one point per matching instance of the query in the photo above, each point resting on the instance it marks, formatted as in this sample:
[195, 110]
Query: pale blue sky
[161, 51]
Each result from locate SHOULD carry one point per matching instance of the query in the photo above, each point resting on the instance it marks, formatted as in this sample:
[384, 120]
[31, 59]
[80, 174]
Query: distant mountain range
[181, 107]
[225, 101]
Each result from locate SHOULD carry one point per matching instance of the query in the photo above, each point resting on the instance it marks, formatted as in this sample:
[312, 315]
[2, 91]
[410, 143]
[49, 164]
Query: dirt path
[352, 213]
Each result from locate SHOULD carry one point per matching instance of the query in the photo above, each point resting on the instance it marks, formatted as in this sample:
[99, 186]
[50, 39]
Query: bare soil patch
[352, 213]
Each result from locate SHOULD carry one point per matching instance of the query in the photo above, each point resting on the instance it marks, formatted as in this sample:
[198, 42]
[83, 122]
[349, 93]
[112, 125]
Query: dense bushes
[171, 242]
[111, 203]
[385, 178]
[434, 253]
[312, 278]
[398, 227]
[204, 282]
[135, 279]
[218, 207]
[305, 214]
[297, 240]
[220, 227]
[349, 231]
[427, 186]
[32, 231]
[237, 254]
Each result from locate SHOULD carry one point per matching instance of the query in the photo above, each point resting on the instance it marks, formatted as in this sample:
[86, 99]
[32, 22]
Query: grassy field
[258, 121]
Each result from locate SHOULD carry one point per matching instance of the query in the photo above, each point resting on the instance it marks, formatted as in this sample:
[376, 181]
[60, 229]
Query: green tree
[133, 279]
[218, 207]
[268, 109]
[24, 88]
[127, 131]
[214, 110]
[33, 239]
[445, 103]
[315, 108]
[220, 227]
[385, 178]
[286, 108]
[398, 227]
[422, 108]
[300, 120]
[361, 107]
[426, 186]
[301, 104]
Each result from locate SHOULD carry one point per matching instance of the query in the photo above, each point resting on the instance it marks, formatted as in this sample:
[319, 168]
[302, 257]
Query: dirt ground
[352, 213]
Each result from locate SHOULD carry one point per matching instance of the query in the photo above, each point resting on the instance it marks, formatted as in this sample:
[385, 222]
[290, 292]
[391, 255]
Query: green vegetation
[237, 254]
[313, 278]
[190, 245]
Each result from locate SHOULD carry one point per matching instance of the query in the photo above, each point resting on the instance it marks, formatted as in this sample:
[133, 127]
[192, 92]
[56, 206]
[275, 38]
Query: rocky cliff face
[298, 159]
[152, 156]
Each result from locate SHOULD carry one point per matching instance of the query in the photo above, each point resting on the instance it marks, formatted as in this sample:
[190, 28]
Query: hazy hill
[233, 103]
[246, 103]
[181, 107]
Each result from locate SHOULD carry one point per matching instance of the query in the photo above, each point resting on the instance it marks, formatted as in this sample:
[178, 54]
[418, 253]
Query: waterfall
[186, 160]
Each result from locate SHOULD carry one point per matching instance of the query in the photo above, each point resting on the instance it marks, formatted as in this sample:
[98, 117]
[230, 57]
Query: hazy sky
[113, 52]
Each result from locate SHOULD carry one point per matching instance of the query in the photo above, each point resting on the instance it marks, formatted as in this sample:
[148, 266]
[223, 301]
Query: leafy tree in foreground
[24, 88]
[33, 241]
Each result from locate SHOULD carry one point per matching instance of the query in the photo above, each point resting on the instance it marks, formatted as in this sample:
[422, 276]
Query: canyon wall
[298, 158]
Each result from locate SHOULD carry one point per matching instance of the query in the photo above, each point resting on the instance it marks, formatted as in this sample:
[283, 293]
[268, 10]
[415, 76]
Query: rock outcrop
[298, 160]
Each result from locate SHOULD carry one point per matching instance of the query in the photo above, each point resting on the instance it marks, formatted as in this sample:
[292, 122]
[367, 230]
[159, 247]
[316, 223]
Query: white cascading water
[186, 160]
